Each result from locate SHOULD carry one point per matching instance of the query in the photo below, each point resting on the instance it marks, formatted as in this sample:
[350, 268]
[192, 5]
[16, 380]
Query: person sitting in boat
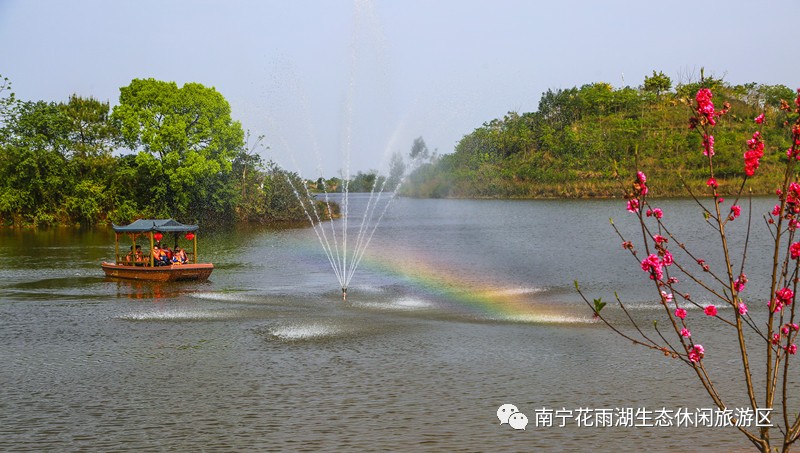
[130, 256]
[139, 256]
[179, 256]
[159, 257]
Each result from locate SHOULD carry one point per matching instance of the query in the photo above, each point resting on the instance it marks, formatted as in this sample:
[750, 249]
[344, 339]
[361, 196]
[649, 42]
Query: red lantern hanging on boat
[157, 236]
[189, 236]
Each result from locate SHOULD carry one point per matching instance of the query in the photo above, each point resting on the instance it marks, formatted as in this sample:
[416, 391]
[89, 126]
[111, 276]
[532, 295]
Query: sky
[336, 86]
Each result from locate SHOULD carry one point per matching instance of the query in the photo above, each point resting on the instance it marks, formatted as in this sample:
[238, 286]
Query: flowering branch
[780, 329]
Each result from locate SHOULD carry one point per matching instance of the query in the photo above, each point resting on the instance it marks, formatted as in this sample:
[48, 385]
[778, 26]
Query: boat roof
[162, 225]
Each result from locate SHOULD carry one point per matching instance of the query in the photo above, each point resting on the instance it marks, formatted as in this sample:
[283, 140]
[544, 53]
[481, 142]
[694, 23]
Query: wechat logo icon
[508, 413]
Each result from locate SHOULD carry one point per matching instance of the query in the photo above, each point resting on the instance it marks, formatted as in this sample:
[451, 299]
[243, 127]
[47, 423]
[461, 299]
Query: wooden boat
[138, 265]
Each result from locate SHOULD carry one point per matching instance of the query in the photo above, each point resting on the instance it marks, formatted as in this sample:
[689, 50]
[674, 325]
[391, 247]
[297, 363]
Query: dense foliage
[164, 151]
[582, 140]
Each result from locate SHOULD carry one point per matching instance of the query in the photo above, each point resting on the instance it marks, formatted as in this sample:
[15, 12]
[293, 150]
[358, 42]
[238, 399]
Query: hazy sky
[326, 79]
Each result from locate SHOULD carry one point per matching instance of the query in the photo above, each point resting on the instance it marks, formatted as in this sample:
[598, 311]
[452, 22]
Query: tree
[186, 141]
[658, 83]
[419, 150]
[33, 164]
[397, 169]
[7, 99]
[764, 338]
[91, 137]
[91, 132]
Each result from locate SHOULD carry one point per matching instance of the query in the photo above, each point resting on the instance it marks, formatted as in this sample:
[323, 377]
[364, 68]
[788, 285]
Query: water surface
[458, 307]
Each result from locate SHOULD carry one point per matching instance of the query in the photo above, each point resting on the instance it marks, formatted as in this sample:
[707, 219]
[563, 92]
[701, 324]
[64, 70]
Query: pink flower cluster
[639, 189]
[783, 297]
[792, 204]
[641, 180]
[794, 150]
[736, 211]
[710, 310]
[794, 250]
[740, 283]
[680, 312]
[708, 145]
[705, 107]
[742, 308]
[755, 151]
[654, 265]
[712, 182]
[696, 353]
[656, 212]
[786, 331]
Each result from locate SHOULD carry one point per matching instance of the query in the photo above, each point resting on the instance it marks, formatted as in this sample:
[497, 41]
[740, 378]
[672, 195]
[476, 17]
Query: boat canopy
[162, 225]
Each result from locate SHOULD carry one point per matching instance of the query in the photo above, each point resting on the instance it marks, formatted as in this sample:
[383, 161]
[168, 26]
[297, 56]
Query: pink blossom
[710, 310]
[708, 145]
[657, 213]
[785, 295]
[667, 297]
[653, 265]
[776, 338]
[794, 250]
[667, 260]
[696, 353]
[704, 105]
[633, 205]
[659, 239]
[685, 333]
[740, 283]
[755, 151]
[759, 119]
[680, 312]
[776, 210]
[742, 308]
[712, 182]
[736, 211]
[792, 349]
[785, 330]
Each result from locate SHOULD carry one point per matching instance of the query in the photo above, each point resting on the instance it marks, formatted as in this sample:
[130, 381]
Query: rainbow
[465, 292]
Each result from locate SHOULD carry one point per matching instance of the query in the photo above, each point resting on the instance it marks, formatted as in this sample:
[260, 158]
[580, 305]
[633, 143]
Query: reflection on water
[458, 307]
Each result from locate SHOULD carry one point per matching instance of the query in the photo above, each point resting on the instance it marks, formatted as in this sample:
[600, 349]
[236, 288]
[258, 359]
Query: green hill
[583, 142]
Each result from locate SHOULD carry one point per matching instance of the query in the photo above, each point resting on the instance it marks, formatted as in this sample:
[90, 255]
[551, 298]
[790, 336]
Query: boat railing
[144, 260]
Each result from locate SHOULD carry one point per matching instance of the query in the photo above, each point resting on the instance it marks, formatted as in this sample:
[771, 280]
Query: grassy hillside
[588, 141]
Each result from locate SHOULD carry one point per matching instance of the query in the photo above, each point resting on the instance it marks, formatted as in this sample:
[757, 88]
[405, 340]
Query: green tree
[7, 99]
[659, 83]
[33, 164]
[186, 142]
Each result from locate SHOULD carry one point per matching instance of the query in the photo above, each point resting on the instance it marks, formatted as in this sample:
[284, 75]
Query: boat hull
[173, 273]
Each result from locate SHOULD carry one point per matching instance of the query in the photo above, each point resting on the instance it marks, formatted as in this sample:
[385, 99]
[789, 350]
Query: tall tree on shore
[186, 142]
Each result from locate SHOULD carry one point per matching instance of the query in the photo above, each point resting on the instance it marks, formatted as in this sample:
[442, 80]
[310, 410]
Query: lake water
[457, 308]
